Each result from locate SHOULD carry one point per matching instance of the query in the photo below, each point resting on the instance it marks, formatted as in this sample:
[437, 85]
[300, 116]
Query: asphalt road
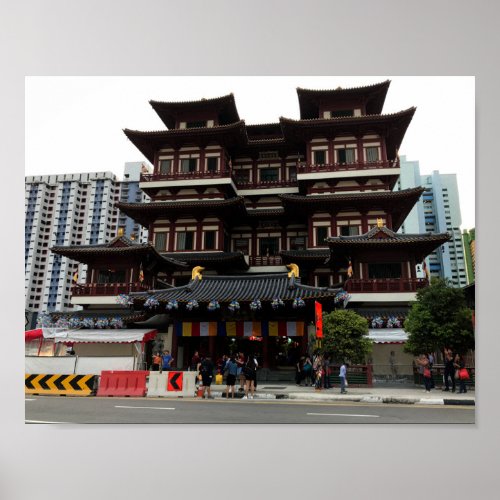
[74, 410]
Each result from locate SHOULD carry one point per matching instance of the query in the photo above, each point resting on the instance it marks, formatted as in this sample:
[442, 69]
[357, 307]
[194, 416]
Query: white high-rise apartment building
[66, 209]
[437, 211]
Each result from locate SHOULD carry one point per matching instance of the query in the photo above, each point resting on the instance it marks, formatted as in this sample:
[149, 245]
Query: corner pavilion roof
[120, 246]
[373, 95]
[243, 288]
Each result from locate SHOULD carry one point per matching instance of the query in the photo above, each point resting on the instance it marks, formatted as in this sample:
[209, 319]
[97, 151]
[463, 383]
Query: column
[211, 348]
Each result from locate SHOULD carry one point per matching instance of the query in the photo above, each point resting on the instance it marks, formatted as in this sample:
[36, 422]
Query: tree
[345, 336]
[439, 319]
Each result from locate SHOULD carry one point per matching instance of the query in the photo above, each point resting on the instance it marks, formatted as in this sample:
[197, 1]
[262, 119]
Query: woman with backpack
[250, 373]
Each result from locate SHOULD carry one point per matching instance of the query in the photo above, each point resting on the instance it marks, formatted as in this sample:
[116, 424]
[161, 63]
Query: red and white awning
[108, 336]
[387, 335]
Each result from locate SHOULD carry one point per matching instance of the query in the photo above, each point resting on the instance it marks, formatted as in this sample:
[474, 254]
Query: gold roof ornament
[380, 222]
[196, 272]
[294, 270]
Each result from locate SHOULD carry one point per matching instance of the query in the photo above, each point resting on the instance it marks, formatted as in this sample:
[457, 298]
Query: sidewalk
[402, 395]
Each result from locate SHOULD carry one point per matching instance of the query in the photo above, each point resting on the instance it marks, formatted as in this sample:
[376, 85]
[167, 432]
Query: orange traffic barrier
[122, 383]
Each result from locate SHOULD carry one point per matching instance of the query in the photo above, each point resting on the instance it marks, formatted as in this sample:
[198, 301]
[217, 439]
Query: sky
[75, 124]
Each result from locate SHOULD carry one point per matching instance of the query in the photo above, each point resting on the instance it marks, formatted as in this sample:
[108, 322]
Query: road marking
[145, 407]
[43, 422]
[342, 415]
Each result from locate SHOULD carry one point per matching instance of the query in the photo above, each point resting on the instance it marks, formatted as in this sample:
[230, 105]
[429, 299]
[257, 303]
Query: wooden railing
[264, 184]
[102, 289]
[175, 176]
[342, 167]
[266, 261]
[385, 285]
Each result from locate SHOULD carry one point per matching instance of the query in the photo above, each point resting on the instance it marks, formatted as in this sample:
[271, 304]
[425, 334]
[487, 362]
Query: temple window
[384, 270]
[349, 230]
[321, 235]
[185, 240]
[196, 124]
[322, 280]
[241, 245]
[210, 240]
[319, 157]
[269, 247]
[160, 241]
[165, 166]
[339, 113]
[212, 164]
[111, 276]
[372, 153]
[346, 155]
[298, 243]
[269, 174]
[242, 176]
[189, 165]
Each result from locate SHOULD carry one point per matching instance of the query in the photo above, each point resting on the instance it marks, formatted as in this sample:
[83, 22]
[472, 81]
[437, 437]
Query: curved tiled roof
[211, 259]
[315, 255]
[264, 287]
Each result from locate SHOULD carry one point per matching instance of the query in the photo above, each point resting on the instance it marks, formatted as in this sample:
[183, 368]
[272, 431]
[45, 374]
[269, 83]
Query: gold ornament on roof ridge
[294, 270]
[196, 272]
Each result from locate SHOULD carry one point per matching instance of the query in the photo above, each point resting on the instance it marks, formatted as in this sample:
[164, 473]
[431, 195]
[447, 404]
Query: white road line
[343, 415]
[145, 407]
[43, 422]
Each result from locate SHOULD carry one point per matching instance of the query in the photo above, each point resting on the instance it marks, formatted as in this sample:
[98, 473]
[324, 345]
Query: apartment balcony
[385, 285]
[106, 289]
[354, 169]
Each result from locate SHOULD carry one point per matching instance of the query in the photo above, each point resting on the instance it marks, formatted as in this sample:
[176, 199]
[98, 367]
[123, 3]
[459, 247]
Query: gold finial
[196, 272]
[294, 270]
[120, 231]
[380, 222]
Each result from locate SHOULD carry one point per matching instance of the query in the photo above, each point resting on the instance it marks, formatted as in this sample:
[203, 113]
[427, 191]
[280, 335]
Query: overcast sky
[74, 124]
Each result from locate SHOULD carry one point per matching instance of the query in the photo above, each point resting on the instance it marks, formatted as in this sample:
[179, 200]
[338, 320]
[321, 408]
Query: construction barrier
[123, 383]
[64, 365]
[59, 385]
[172, 384]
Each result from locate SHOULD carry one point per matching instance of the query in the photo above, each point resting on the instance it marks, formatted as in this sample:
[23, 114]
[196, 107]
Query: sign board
[318, 310]
[174, 382]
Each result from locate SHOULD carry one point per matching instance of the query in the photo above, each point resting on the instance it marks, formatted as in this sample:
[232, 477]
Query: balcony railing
[343, 167]
[266, 261]
[176, 176]
[385, 285]
[241, 184]
[102, 289]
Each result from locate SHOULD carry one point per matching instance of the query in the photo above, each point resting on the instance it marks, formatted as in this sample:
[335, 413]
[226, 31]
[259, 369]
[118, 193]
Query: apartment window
[165, 166]
[188, 165]
[241, 245]
[160, 241]
[346, 155]
[298, 243]
[210, 240]
[269, 174]
[268, 246]
[319, 157]
[349, 230]
[185, 240]
[339, 113]
[321, 235]
[372, 153]
[212, 164]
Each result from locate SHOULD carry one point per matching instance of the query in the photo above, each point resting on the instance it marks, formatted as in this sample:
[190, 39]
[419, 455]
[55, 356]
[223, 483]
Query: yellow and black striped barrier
[59, 385]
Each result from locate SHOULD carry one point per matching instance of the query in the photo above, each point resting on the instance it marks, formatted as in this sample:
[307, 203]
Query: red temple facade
[245, 201]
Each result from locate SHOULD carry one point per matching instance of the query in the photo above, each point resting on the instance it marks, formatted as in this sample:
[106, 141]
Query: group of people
[454, 369]
[236, 367]
[162, 361]
[317, 372]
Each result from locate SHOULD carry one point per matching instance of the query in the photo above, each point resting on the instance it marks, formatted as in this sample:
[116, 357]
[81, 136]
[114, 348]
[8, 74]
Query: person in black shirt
[449, 370]
[207, 373]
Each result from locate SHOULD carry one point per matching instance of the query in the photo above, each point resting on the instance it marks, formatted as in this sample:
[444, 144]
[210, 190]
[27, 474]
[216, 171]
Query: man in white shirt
[342, 376]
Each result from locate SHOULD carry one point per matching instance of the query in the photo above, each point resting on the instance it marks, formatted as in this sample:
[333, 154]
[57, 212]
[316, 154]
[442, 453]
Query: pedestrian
[392, 363]
[195, 361]
[232, 370]
[326, 372]
[318, 372]
[430, 357]
[298, 371]
[167, 361]
[463, 374]
[250, 373]
[157, 362]
[343, 377]
[425, 371]
[240, 361]
[207, 373]
[307, 370]
[449, 370]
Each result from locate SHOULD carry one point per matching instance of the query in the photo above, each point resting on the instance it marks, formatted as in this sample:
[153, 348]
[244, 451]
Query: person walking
[326, 372]
[307, 370]
[207, 374]
[449, 371]
[318, 372]
[343, 378]
[232, 370]
[250, 373]
[240, 361]
[425, 371]
[463, 375]
[298, 371]
[430, 357]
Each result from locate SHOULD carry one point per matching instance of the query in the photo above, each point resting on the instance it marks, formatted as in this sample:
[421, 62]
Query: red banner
[318, 310]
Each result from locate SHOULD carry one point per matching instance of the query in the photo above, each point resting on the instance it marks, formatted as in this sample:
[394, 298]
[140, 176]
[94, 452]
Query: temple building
[248, 225]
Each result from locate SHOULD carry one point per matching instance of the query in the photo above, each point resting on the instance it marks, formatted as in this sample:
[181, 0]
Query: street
[60, 410]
